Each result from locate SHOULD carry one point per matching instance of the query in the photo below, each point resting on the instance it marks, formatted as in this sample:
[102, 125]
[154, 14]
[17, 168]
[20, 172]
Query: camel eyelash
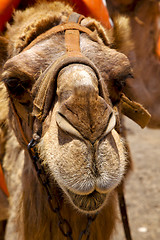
[15, 86]
[120, 82]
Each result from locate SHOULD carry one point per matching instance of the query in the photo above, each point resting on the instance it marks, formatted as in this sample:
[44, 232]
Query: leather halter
[42, 91]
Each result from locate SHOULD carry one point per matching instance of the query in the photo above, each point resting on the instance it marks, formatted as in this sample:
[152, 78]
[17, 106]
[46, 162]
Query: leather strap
[72, 36]
[135, 111]
[60, 28]
[124, 216]
[75, 17]
[25, 140]
[72, 46]
[41, 91]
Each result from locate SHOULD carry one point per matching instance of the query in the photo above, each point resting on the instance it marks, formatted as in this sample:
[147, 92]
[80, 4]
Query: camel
[64, 150]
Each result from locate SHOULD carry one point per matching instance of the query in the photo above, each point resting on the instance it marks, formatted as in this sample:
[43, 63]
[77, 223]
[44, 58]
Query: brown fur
[73, 163]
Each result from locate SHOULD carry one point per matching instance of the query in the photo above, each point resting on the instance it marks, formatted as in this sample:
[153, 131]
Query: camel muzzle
[82, 112]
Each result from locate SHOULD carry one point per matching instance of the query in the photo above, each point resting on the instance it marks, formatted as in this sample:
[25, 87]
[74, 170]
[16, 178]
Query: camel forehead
[37, 58]
[41, 55]
[33, 22]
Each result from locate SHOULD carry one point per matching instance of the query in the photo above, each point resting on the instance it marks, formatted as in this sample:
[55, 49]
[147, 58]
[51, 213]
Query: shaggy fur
[74, 163]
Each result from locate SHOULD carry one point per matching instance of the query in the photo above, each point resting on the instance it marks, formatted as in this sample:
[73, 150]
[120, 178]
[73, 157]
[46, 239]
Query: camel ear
[3, 50]
[121, 34]
[97, 28]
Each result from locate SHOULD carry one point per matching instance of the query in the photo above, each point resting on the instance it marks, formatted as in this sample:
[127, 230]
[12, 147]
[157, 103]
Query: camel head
[75, 111]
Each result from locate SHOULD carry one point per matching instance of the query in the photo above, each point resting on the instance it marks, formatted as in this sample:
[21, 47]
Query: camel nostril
[111, 123]
[64, 124]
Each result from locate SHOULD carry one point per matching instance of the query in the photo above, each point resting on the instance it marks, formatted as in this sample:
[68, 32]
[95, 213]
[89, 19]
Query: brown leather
[135, 111]
[60, 28]
[43, 90]
[25, 141]
[72, 41]
[75, 17]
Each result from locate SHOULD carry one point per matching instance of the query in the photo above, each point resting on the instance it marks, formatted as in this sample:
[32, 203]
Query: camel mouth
[89, 203]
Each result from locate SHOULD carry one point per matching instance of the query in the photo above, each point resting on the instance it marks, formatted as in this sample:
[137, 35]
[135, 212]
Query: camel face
[79, 144]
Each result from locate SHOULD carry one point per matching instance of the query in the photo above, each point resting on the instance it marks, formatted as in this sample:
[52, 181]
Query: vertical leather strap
[72, 41]
[25, 140]
[72, 37]
[124, 216]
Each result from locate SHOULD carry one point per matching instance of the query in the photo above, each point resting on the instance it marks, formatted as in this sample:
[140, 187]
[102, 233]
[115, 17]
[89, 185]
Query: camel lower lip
[90, 202]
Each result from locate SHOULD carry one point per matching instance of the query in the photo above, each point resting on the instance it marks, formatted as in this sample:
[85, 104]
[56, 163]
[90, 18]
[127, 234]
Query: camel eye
[120, 82]
[15, 86]
[116, 87]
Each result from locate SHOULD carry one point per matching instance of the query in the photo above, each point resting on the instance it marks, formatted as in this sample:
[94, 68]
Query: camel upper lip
[67, 126]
